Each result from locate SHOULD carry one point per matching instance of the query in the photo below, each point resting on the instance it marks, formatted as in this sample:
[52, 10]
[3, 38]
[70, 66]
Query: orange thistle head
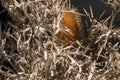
[72, 28]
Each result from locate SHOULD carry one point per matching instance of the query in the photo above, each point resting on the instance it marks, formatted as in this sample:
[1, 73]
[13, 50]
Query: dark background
[97, 5]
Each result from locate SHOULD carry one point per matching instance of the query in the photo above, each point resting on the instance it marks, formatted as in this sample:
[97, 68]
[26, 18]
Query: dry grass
[28, 50]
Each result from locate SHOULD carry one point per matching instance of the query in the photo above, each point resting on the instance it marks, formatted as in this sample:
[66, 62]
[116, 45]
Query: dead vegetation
[28, 50]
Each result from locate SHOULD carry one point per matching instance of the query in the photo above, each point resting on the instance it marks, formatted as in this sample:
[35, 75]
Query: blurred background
[98, 7]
